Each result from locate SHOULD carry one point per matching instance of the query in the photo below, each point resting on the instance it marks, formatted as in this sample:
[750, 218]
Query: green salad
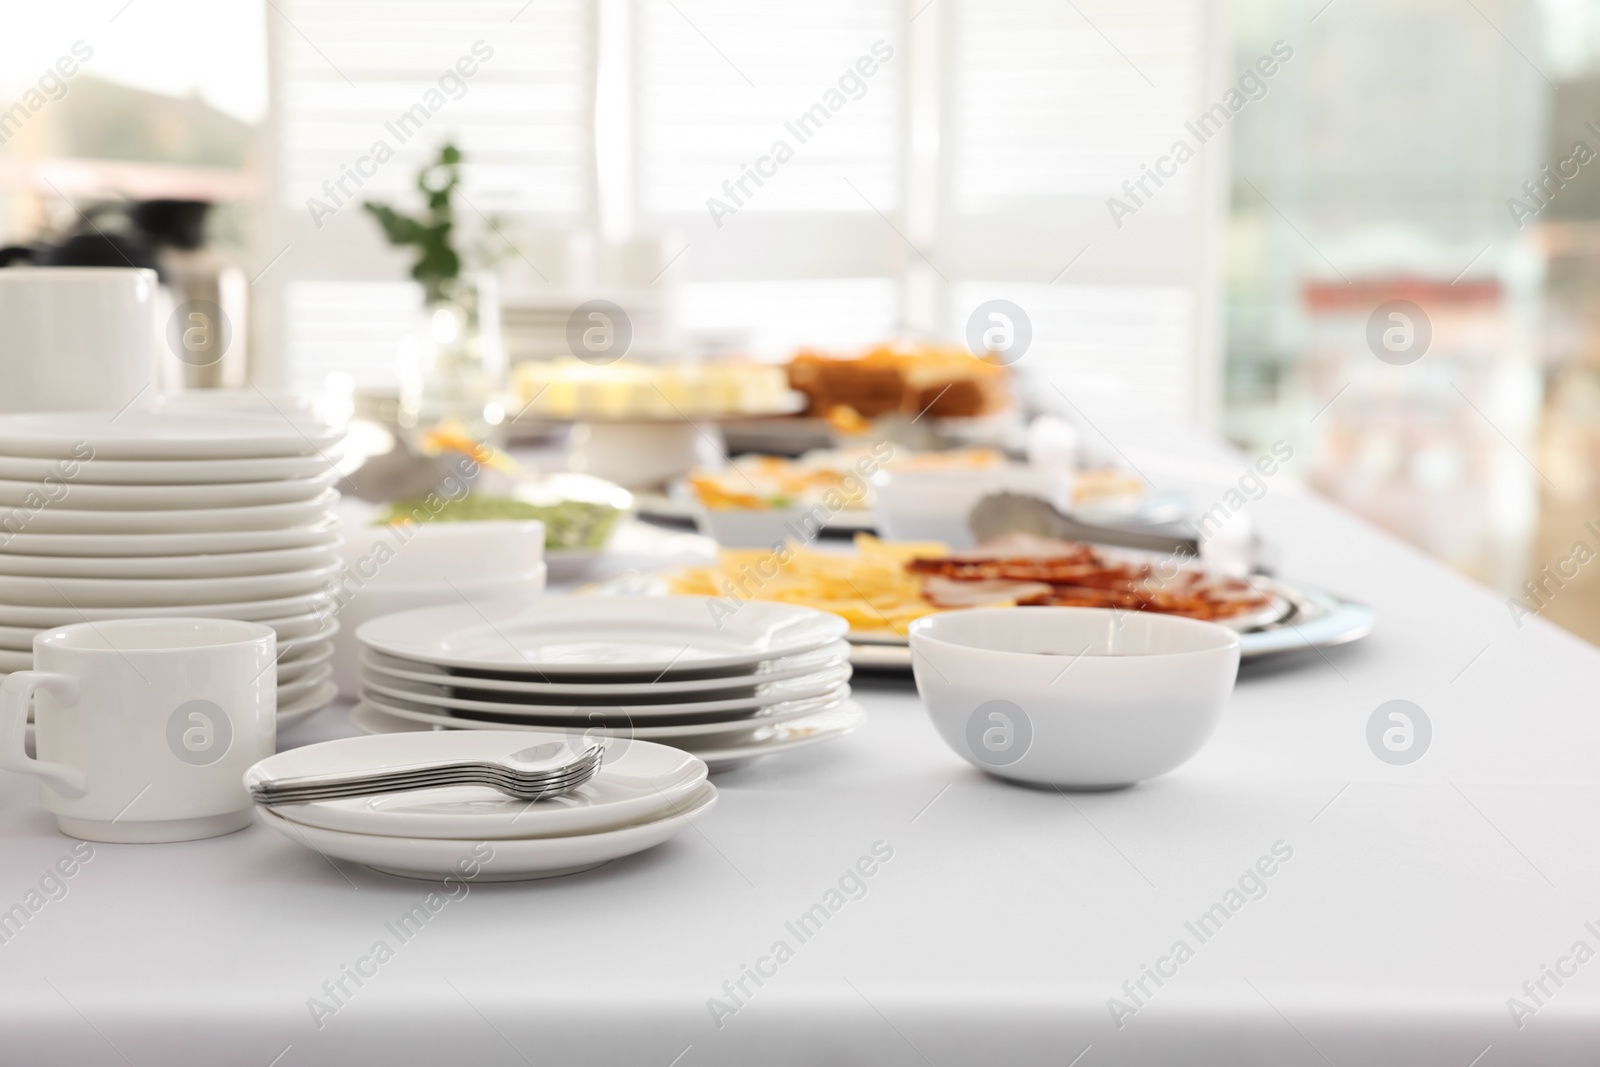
[568, 524]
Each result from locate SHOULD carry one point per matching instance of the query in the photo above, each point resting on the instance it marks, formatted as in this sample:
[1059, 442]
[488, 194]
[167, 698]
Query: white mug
[144, 727]
[76, 338]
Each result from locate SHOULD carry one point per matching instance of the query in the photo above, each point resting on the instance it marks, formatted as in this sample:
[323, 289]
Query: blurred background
[1337, 156]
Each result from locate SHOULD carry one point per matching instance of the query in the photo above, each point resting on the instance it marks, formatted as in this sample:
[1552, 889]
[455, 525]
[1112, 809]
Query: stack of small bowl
[145, 512]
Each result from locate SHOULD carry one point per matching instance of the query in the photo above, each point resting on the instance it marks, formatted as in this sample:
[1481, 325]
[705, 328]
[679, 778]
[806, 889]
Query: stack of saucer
[727, 684]
[642, 795]
[107, 515]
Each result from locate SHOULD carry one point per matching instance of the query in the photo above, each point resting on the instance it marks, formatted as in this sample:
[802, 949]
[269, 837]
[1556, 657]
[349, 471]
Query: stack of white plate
[107, 515]
[642, 795]
[728, 684]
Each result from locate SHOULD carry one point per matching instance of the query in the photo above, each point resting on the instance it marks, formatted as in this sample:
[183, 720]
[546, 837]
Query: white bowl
[1080, 698]
[934, 505]
[758, 527]
[381, 596]
[435, 551]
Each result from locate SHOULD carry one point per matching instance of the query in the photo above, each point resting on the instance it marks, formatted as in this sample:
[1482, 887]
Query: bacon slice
[952, 593]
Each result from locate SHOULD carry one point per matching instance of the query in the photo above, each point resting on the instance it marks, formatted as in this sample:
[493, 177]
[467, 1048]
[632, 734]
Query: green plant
[437, 264]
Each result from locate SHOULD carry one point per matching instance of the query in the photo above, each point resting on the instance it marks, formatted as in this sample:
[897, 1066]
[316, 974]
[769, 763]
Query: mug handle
[16, 692]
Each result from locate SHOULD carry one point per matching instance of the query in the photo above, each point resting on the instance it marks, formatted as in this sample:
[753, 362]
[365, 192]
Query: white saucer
[726, 754]
[247, 611]
[499, 860]
[582, 724]
[623, 638]
[465, 698]
[162, 592]
[294, 670]
[293, 711]
[143, 434]
[86, 497]
[168, 471]
[215, 565]
[293, 690]
[62, 520]
[322, 533]
[831, 655]
[637, 781]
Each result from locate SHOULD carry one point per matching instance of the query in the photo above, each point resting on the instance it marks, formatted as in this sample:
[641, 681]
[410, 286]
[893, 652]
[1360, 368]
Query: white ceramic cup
[76, 338]
[1080, 698]
[145, 727]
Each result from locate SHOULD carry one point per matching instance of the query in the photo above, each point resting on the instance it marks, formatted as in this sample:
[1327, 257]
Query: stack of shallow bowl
[726, 681]
[107, 515]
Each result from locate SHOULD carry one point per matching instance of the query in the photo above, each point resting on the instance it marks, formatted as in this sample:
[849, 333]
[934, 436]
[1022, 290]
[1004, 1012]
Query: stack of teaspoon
[534, 773]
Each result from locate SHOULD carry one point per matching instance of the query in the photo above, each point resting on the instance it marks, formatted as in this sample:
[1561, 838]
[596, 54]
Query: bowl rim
[918, 633]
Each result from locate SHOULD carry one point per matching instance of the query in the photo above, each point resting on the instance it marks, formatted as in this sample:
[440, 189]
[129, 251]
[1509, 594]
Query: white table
[1417, 899]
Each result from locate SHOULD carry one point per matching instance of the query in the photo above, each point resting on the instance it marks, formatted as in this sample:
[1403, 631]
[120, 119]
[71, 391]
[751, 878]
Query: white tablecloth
[1405, 905]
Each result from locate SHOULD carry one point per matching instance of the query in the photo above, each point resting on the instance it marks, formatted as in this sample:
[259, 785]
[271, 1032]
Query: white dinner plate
[290, 670]
[15, 661]
[468, 698]
[828, 656]
[720, 754]
[157, 592]
[293, 648]
[53, 519]
[85, 497]
[496, 861]
[292, 711]
[310, 624]
[247, 611]
[166, 471]
[314, 637]
[322, 533]
[291, 691]
[432, 716]
[143, 434]
[222, 565]
[636, 781]
[626, 638]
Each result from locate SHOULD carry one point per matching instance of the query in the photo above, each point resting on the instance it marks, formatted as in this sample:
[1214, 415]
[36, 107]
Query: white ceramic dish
[589, 721]
[322, 533]
[145, 434]
[248, 611]
[312, 630]
[435, 552]
[304, 707]
[754, 527]
[316, 677]
[320, 639]
[1079, 698]
[290, 671]
[637, 781]
[59, 520]
[497, 861]
[311, 624]
[725, 753]
[168, 471]
[85, 497]
[15, 661]
[378, 598]
[225, 565]
[468, 698]
[829, 656]
[159, 592]
[621, 636]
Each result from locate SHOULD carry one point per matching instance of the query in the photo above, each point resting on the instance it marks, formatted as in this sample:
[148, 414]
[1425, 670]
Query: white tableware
[636, 781]
[594, 721]
[146, 434]
[500, 860]
[306, 706]
[465, 698]
[15, 661]
[829, 656]
[59, 519]
[77, 337]
[224, 565]
[433, 553]
[162, 592]
[144, 726]
[318, 642]
[249, 610]
[1080, 698]
[381, 597]
[756, 527]
[292, 670]
[720, 753]
[317, 677]
[165, 472]
[624, 637]
[933, 505]
[321, 533]
[82, 496]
